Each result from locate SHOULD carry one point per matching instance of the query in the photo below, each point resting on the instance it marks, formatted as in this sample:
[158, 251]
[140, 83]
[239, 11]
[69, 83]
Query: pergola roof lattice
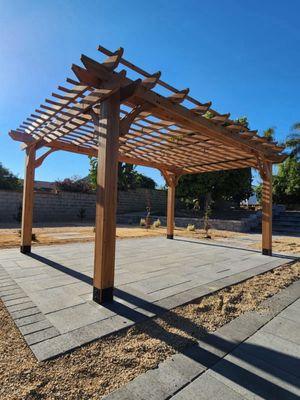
[160, 126]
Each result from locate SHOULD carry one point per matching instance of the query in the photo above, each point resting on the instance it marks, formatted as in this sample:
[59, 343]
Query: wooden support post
[106, 199]
[171, 180]
[28, 195]
[266, 175]
[171, 211]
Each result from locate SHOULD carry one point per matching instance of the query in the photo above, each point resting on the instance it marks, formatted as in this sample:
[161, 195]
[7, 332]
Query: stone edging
[175, 373]
[31, 322]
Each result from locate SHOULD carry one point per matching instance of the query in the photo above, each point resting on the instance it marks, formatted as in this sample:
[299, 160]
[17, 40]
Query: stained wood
[266, 175]
[106, 200]
[28, 197]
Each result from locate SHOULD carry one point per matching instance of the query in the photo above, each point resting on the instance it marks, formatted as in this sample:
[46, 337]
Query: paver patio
[49, 292]
[254, 356]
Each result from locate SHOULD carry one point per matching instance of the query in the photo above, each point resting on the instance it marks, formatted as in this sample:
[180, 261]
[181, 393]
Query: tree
[269, 134]
[293, 141]
[8, 180]
[128, 177]
[232, 185]
[286, 184]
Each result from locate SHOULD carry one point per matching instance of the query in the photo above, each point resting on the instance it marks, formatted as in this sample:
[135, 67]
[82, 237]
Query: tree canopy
[234, 185]
[128, 177]
[286, 183]
[8, 180]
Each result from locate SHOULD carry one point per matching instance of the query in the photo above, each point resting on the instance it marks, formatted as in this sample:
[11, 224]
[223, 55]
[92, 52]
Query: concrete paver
[152, 275]
[241, 360]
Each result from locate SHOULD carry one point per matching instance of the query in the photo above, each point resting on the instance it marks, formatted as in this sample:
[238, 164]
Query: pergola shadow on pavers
[132, 116]
[49, 292]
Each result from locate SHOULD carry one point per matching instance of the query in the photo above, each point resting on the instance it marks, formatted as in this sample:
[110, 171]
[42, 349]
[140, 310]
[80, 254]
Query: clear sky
[242, 55]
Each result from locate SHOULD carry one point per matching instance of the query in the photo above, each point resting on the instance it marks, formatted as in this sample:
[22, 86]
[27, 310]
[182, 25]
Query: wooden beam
[266, 175]
[172, 181]
[106, 199]
[89, 151]
[28, 197]
[39, 161]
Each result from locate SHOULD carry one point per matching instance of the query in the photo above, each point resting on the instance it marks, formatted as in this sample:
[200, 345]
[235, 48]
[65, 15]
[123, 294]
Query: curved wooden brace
[148, 84]
[170, 177]
[39, 161]
[263, 166]
[126, 121]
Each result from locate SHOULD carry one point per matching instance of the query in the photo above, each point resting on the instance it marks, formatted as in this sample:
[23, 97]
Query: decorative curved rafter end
[112, 61]
[179, 97]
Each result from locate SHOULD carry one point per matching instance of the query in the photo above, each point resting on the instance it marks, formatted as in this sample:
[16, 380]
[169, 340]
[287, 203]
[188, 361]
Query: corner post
[172, 181]
[171, 211]
[267, 208]
[28, 198]
[107, 128]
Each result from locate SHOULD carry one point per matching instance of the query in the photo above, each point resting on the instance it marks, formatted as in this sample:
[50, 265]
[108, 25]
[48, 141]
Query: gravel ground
[10, 237]
[105, 365]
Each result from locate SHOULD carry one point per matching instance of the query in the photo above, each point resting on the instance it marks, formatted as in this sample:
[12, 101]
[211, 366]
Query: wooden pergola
[132, 116]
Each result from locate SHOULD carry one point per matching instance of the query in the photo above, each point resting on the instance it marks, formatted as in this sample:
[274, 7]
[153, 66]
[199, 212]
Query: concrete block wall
[65, 206]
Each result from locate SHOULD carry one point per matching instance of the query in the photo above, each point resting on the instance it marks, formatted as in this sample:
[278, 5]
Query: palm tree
[293, 141]
[269, 134]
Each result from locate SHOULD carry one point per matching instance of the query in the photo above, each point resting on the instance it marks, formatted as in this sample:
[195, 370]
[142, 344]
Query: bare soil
[105, 365]
[284, 244]
[70, 234]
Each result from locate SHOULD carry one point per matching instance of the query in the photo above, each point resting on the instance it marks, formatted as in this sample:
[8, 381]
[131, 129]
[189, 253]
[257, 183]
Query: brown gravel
[283, 245]
[105, 365]
[71, 234]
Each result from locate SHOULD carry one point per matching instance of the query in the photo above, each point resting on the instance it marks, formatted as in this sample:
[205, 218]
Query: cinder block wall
[65, 206]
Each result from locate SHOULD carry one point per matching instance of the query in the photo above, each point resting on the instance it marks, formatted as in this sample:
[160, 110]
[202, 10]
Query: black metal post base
[170, 236]
[102, 296]
[267, 252]
[25, 249]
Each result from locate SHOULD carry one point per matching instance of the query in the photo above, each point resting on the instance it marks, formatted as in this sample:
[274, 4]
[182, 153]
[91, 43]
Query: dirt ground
[284, 244]
[105, 365]
[68, 234]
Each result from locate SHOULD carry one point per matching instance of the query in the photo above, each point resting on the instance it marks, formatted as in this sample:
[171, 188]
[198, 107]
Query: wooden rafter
[155, 129]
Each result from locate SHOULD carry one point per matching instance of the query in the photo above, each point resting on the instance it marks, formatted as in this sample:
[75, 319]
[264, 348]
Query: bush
[8, 181]
[74, 184]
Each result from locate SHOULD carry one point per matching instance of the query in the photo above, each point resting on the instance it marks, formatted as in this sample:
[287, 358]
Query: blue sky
[242, 55]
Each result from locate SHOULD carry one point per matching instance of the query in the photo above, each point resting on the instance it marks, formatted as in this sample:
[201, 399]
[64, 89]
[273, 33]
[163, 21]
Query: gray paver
[237, 366]
[35, 327]
[40, 336]
[207, 388]
[24, 313]
[29, 320]
[161, 275]
[279, 352]
[284, 328]
[254, 378]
